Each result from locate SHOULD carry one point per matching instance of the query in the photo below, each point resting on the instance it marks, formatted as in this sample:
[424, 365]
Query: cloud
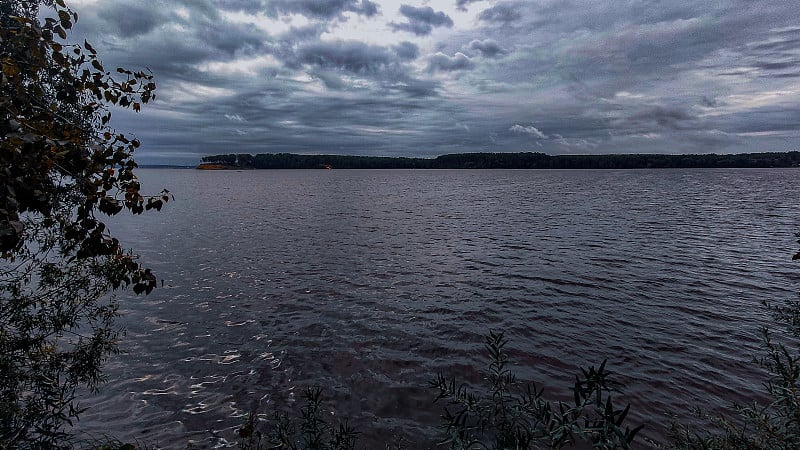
[330, 61]
[242, 38]
[247, 6]
[530, 130]
[777, 55]
[500, 13]
[421, 21]
[131, 18]
[367, 8]
[461, 5]
[330, 79]
[672, 117]
[416, 88]
[488, 48]
[322, 9]
[406, 50]
[234, 117]
[442, 62]
[350, 56]
[708, 102]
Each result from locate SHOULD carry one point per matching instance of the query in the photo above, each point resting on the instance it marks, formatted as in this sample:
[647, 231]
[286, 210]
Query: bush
[514, 418]
[506, 419]
[308, 431]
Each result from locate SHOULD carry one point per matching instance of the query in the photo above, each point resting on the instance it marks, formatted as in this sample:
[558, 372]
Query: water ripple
[369, 282]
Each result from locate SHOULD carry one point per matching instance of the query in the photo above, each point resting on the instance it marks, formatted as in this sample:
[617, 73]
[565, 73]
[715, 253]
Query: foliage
[506, 421]
[62, 166]
[311, 431]
[524, 420]
[57, 146]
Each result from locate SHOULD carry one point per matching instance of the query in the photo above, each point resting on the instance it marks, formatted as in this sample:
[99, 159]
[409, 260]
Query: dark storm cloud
[244, 38]
[170, 43]
[285, 45]
[708, 102]
[329, 61]
[421, 21]
[367, 8]
[335, 125]
[406, 50]
[488, 48]
[639, 49]
[777, 65]
[501, 12]
[778, 46]
[351, 56]
[675, 118]
[131, 18]
[776, 55]
[322, 9]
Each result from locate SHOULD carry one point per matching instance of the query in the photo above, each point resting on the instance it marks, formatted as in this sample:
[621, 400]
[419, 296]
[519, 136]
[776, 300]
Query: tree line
[527, 160]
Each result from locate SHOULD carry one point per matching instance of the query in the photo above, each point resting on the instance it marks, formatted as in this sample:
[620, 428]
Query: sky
[424, 78]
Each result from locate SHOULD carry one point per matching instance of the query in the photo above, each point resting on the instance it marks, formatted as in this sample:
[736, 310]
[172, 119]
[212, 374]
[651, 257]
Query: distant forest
[502, 161]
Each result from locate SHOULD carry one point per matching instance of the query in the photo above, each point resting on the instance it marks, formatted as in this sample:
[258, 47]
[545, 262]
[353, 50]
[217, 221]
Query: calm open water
[368, 283]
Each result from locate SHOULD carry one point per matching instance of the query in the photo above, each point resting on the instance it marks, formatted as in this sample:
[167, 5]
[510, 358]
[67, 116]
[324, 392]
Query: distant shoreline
[501, 161]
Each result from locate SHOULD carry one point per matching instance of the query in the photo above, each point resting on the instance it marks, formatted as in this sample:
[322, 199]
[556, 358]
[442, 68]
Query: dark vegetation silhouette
[505, 161]
[62, 167]
[507, 414]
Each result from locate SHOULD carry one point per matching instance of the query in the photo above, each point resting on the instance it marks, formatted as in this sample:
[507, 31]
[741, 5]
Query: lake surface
[368, 283]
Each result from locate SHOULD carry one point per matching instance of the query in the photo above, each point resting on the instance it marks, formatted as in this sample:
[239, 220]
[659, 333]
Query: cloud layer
[409, 79]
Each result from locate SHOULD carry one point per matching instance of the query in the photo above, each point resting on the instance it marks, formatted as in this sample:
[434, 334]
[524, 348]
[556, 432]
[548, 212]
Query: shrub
[308, 431]
[514, 418]
[506, 419]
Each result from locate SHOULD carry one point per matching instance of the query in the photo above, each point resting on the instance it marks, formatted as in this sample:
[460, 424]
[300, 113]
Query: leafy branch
[525, 420]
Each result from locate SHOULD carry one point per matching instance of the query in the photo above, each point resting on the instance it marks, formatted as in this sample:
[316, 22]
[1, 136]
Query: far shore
[502, 161]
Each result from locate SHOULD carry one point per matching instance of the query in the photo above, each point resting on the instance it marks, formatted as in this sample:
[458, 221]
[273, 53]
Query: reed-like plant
[516, 415]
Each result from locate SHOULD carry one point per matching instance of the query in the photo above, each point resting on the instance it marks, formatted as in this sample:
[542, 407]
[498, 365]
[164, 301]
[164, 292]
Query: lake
[368, 283]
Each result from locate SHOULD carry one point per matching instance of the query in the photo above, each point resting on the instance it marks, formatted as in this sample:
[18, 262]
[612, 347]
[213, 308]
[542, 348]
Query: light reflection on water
[367, 283]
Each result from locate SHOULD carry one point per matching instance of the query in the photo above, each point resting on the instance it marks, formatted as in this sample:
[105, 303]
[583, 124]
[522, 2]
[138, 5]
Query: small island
[527, 160]
[211, 166]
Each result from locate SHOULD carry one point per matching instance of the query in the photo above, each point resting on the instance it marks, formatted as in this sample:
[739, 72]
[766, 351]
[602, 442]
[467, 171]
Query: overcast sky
[423, 78]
